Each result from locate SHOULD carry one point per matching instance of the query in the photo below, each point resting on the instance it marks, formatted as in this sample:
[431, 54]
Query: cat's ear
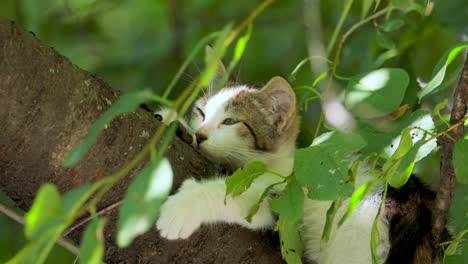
[280, 100]
[220, 69]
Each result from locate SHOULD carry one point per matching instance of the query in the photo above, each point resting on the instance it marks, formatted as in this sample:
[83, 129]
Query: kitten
[240, 124]
[235, 126]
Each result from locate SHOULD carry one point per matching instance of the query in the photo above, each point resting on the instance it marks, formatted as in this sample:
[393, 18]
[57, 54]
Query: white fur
[350, 243]
[197, 203]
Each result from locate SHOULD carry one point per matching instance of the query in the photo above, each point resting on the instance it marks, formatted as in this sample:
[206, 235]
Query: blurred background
[135, 44]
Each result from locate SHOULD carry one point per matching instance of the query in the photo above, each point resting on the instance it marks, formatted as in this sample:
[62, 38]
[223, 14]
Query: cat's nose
[200, 137]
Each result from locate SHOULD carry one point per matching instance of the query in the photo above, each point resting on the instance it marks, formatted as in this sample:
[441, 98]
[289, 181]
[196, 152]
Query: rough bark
[448, 181]
[47, 105]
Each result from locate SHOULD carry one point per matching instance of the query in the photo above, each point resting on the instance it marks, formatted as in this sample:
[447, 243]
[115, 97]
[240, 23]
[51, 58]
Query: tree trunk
[47, 106]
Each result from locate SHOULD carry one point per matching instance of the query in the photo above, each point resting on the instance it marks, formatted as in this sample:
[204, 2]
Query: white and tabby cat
[240, 124]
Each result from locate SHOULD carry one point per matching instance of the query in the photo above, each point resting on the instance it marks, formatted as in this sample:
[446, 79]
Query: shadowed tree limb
[47, 105]
[448, 180]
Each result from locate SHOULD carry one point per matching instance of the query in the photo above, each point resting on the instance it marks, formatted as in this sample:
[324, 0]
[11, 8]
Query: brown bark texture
[448, 181]
[47, 105]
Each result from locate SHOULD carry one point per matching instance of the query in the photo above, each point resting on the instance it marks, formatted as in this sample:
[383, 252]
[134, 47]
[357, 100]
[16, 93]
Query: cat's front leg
[203, 202]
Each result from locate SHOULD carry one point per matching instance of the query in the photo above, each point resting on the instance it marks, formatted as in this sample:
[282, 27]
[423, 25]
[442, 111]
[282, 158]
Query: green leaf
[242, 178]
[35, 251]
[142, 201]
[292, 76]
[407, 6]
[242, 43]
[376, 93]
[291, 244]
[355, 200]
[366, 5]
[460, 157]
[46, 208]
[375, 239]
[212, 61]
[291, 204]
[385, 140]
[254, 209]
[331, 212]
[319, 78]
[439, 107]
[328, 158]
[453, 247]
[377, 3]
[375, 235]
[92, 245]
[400, 166]
[127, 103]
[73, 199]
[439, 71]
[49, 216]
[384, 41]
[393, 25]
[385, 56]
[406, 143]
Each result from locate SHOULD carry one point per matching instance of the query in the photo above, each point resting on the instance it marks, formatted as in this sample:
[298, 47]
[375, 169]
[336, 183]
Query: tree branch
[47, 107]
[448, 181]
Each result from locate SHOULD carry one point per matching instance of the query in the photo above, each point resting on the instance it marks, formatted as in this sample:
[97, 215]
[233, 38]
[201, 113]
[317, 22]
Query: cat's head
[240, 123]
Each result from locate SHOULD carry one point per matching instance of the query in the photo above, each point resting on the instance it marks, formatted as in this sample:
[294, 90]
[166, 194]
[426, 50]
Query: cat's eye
[229, 121]
[200, 112]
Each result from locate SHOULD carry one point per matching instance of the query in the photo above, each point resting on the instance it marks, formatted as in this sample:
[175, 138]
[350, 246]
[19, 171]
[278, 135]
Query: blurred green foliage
[12, 238]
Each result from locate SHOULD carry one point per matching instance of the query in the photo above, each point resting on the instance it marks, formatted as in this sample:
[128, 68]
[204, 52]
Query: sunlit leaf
[291, 244]
[439, 107]
[441, 67]
[242, 178]
[319, 78]
[49, 216]
[92, 245]
[46, 208]
[376, 93]
[355, 200]
[142, 201]
[212, 61]
[387, 140]
[126, 103]
[400, 166]
[242, 43]
[460, 157]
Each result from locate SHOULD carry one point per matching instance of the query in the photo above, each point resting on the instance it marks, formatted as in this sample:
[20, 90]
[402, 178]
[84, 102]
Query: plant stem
[344, 14]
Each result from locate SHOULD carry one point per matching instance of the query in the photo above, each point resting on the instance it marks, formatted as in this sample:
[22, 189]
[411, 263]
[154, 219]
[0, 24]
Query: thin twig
[19, 219]
[91, 217]
[448, 181]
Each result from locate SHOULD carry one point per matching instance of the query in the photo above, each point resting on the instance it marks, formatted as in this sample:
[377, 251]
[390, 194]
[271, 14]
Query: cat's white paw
[180, 216]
